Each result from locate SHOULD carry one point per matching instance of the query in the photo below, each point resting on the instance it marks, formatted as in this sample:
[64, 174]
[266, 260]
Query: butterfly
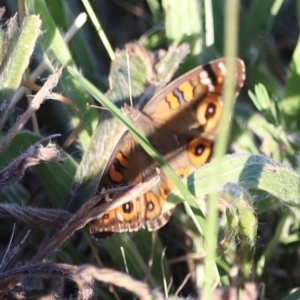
[181, 122]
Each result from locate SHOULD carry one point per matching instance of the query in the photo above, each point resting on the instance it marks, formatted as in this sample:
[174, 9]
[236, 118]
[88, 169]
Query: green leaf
[251, 172]
[20, 45]
[183, 24]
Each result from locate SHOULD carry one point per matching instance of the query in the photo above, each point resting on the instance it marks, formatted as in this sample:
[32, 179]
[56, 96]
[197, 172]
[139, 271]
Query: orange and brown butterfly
[181, 122]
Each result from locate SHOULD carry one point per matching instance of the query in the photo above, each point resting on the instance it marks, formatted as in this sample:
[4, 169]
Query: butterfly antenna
[129, 78]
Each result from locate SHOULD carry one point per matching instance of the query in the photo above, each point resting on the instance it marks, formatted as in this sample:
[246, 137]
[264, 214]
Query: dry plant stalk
[35, 216]
[34, 105]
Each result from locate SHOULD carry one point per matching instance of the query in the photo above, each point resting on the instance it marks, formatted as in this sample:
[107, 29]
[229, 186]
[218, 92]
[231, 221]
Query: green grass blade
[99, 29]
[221, 144]
[183, 24]
[290, 104]
[156, 10]
[260, 12]
[56, 53]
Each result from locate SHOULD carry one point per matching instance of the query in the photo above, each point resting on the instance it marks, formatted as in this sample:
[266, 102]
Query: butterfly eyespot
[199, 151]
[105, 216]
[153, 206]
[127, 207]
[165, 189]
[164, 193]
[150, 206]
[210, 111]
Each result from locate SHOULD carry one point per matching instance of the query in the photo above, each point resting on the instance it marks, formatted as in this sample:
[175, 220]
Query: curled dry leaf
[34, 155]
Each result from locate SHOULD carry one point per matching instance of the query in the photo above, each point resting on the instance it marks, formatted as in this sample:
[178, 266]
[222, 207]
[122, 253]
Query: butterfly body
[181, 123]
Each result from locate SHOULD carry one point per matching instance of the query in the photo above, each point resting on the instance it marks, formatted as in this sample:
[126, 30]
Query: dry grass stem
[34, 216]
[188, 256]
[34, 155]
